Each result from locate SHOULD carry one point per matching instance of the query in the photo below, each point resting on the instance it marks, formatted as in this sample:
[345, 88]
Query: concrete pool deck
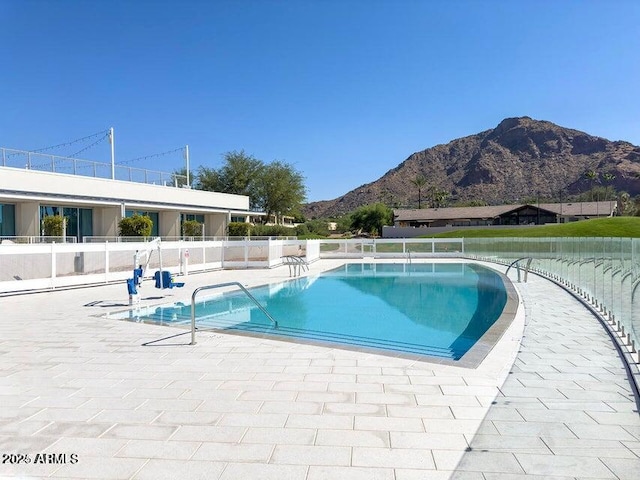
[551, 400]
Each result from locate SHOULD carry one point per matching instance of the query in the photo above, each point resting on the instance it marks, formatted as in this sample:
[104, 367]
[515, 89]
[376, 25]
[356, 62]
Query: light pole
[112, 141]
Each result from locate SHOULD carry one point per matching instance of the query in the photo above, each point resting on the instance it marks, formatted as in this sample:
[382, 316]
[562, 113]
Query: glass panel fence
[606, 271]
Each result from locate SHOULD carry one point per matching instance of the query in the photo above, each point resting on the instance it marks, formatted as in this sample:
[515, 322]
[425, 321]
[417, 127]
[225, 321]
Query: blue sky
[343, 90]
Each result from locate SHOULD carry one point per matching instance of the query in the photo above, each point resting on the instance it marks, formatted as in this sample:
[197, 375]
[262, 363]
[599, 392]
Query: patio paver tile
[393, 458]
[158, 469]
[312, 455]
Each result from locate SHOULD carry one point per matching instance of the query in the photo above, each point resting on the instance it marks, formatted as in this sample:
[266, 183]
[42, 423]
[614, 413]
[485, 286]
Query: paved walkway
[83, 388]
[566, 409]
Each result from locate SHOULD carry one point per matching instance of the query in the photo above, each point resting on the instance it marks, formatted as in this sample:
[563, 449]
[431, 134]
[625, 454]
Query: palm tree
[419, 182]
[439, 197]
[592, 176]
[608, 178]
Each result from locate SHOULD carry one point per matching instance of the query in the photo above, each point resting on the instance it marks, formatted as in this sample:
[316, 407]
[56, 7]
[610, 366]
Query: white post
[106, 261]
[64, 229]
[186, 154]
[203, 249]
[54, 265]
[113, 154]
[160, 258]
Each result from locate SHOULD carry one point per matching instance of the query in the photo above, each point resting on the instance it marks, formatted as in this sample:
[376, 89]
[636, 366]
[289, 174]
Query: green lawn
[598, 227]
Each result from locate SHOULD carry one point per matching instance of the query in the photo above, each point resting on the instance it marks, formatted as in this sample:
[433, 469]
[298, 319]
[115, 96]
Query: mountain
[520, 158]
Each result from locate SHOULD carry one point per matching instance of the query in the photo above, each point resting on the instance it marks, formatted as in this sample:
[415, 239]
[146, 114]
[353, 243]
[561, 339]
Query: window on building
[192, 216]
[184, 217]
[7, 220]
[79, 220]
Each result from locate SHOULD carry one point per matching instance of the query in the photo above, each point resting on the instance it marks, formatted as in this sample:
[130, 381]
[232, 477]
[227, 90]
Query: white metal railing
[22, 239]
[117, 238]
[87, 168]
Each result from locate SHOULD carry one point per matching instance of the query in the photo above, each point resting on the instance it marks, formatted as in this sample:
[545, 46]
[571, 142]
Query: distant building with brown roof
[525, 214]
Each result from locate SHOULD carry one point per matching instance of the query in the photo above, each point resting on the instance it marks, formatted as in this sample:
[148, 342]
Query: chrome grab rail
[220, 285]
[517, 264]
[296, 264]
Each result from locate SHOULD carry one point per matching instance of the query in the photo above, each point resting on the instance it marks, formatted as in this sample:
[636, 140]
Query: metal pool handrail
[296, 264]
[517, 264]
[220, 285]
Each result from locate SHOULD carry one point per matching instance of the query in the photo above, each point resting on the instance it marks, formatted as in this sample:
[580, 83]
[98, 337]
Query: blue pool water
[434, 309]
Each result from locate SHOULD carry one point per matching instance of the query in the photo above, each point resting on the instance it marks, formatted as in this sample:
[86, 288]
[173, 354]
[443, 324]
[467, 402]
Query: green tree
[279, 189]
[343, 223]
[628, 206]
[239, 174]
[135, 226]
[419, 182]
[438, 197]
[371, 218]
[208, 179]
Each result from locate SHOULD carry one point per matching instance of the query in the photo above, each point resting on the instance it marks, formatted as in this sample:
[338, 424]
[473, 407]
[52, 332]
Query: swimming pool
[424, 309]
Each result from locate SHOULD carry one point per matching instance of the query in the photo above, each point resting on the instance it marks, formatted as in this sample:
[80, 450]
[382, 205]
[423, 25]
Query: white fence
[9, 239]
[54, 265]
[391, 247]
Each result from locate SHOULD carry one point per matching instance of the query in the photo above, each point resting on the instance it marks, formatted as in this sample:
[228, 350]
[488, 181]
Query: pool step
[179, 316]
[219, 323]
[350, 340]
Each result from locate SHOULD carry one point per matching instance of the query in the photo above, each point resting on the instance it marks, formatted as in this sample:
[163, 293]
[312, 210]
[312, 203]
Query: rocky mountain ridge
[520, 158]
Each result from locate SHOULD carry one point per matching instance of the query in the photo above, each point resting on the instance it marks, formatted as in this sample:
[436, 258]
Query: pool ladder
[221, 285]
[517, 265]
[296, 264]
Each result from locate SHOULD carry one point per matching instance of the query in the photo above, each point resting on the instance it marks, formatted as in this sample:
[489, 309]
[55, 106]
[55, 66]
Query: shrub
[302, 230]
[135, 226]
[53, 225]
[241, 229]
[272, 231]
[238, 229]
[318, 227]
[191, 228]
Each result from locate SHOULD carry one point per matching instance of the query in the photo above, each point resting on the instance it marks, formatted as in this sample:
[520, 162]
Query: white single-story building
[94, 206]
